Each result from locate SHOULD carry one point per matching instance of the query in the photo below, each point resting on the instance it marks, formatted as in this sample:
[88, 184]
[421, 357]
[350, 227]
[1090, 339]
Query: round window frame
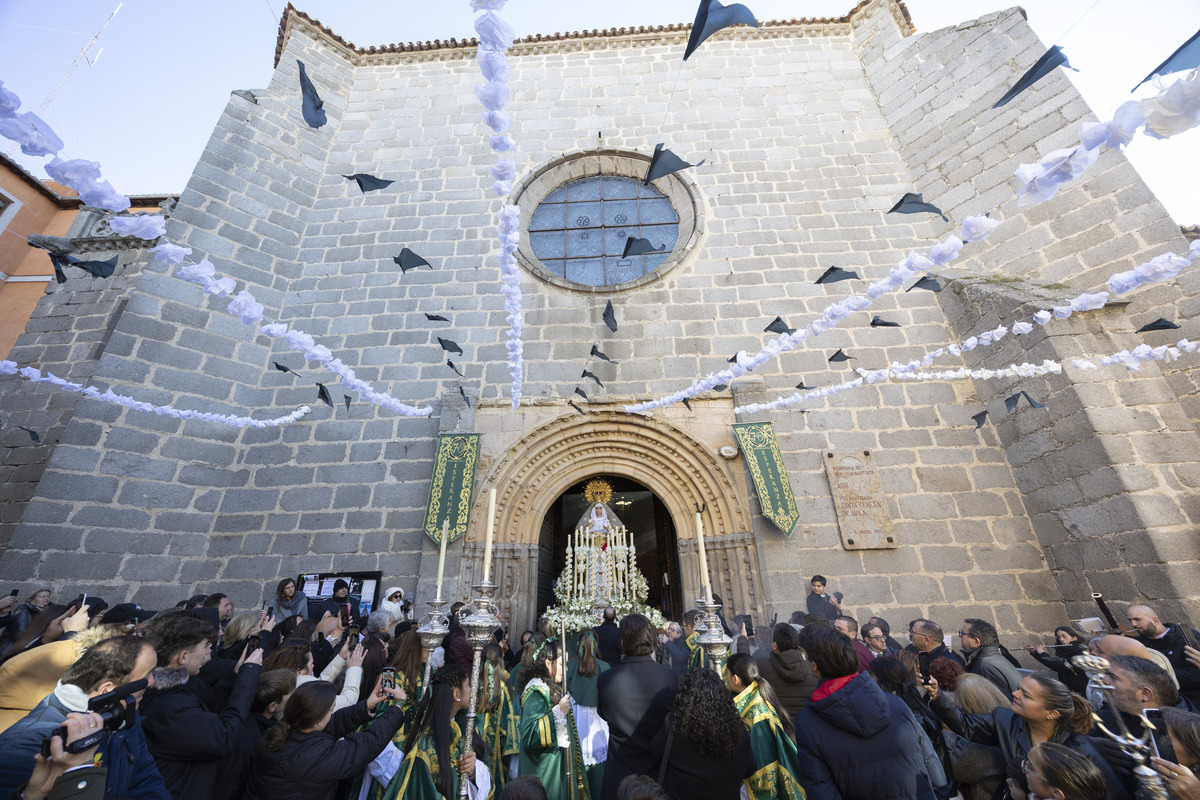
[681, 191]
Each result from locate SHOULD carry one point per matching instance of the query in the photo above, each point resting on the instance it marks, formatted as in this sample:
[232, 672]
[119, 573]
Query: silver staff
[1137, 748]
[479, 628]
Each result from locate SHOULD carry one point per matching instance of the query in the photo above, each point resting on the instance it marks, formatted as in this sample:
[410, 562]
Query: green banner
[761, 451]
[450, 489]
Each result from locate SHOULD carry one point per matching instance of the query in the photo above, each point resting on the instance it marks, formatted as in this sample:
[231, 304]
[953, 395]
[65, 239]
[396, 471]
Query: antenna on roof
[84, 55]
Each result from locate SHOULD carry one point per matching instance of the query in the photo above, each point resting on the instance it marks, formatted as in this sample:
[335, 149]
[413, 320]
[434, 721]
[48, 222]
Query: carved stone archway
[679, 470]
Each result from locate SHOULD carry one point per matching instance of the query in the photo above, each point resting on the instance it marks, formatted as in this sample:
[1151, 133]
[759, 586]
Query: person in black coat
[854, 741]
[187, 739]
[929, 642]
[634, 698]
[821, 604]
[675, 649]
[1059, 661]
[1042, 710]
[274, 688]
[1167, 638]
[608, 637]
[304, 757]
[709, 751]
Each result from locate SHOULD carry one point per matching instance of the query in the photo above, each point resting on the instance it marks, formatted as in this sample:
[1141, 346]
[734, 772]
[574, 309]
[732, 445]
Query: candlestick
[442, 556]
[705, 586]
[478, 627]
[487, 543]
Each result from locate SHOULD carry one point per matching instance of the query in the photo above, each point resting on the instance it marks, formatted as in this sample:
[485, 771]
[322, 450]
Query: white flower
[9, 102]
[1116, 133]
[143, 226]
[1042, 317]
[501, 142]
[7, 367]
[274, 329]
[34, 135]
[493, 95]
[1124, 282]
[246, 308]
[169, 253]
[1041, 180]
[78, 173]
[1089, 301]
[493, 64]
[498, 120]
[946, 250]
[196, 273]
[103, 195]
[1173, 111]
[976, 228]
[319, 352]
[299, 340]
[222, 287]
[494, 32]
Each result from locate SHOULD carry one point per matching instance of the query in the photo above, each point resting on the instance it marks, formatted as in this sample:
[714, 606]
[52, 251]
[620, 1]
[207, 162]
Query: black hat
[126, 613]
[340, 584]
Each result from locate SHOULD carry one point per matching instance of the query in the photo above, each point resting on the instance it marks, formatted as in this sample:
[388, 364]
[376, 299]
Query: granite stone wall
[809, 133]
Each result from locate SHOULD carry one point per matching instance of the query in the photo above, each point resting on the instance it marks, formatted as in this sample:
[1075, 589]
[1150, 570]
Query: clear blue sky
[146, 109]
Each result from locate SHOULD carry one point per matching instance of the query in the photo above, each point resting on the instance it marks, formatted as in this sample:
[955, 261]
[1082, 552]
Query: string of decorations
[1159, 269]
[34, 375]
[1173, 110]
[495, 37]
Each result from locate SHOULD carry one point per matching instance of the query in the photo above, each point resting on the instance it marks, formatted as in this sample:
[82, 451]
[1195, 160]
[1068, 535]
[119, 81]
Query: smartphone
[271, 613]
[749, 625]
[352, 633]
[14, 592]
[389, 678]
[925, 676]
[252, 644]
[1188, 639]
[345, 616]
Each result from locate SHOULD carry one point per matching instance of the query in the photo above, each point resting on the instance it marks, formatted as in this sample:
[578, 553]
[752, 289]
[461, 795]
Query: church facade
[810, 130]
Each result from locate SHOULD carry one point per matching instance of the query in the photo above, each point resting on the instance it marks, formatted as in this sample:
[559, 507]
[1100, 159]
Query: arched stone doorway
[533, 472]
[647, 520]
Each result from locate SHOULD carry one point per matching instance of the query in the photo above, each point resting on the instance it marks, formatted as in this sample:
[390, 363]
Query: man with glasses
[927, 637]
[876, 641]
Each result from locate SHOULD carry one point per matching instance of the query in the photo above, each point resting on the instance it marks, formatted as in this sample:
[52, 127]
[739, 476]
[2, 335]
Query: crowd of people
[308, 700]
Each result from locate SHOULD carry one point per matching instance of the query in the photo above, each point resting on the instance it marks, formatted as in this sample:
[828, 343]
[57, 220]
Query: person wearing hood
[854, 741]
[981, 645]
[787, 671]
[187, 739]
[394, 603]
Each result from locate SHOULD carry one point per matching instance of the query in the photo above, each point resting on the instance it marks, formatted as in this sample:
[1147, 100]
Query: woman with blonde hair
[979, 769]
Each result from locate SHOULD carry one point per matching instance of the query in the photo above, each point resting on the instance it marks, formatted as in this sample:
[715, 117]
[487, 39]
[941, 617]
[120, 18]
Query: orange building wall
[39, 213]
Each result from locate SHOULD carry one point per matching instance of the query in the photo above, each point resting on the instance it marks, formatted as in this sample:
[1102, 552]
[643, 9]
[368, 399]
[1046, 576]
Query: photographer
[186, 738]
[103, 668]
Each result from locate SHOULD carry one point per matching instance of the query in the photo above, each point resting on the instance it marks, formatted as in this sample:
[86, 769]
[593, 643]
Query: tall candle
[487, 543]
[705, 586]
[442, 556]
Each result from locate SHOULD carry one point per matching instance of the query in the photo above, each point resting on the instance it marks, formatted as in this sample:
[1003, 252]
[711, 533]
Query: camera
[116, 713]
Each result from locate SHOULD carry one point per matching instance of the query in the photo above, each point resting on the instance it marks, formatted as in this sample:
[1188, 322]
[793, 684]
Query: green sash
[774, 750]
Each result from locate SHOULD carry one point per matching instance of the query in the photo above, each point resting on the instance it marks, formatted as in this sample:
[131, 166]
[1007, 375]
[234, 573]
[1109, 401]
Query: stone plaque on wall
[862, 513]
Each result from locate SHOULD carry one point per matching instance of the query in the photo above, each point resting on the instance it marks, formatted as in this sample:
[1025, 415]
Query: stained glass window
[579, 231]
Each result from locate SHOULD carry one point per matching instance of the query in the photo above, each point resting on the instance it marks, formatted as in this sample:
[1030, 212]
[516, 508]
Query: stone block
[152, 494]
[130, 519]
[97, 566]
